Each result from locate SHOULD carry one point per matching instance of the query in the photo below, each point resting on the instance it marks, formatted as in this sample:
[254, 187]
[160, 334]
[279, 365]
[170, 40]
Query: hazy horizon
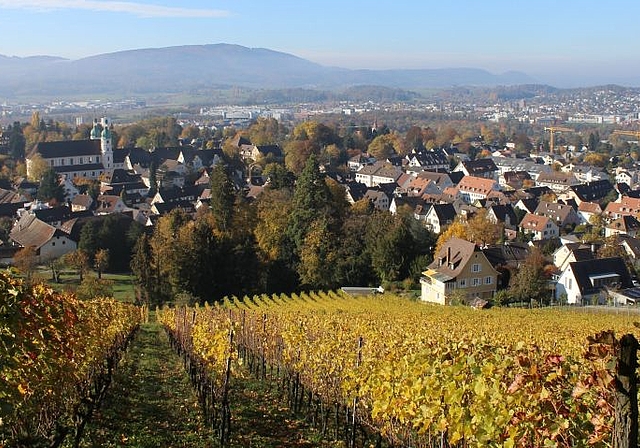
[567, 44]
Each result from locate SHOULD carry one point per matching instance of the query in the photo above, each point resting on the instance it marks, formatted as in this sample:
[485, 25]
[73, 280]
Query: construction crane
[635, 134]
[552, 131]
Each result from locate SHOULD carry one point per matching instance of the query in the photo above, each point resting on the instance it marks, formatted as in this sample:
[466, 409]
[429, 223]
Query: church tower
[95, 131]
[106, 144]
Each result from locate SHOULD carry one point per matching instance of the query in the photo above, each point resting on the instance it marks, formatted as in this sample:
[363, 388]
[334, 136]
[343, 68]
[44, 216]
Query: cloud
[138, 9]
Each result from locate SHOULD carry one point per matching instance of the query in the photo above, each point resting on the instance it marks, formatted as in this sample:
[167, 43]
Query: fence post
[625, 430]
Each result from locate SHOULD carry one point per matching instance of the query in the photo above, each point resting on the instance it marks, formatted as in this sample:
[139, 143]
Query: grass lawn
[151, 404]
[122, 285]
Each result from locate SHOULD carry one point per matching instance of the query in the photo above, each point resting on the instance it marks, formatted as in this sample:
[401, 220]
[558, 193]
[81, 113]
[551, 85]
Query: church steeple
[106, 144]
[95, 131]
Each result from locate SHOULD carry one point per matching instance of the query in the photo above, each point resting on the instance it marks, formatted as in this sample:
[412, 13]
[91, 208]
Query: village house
[48, 241]
[420, 186]
[378, 198]
[559, 182]
[515, 180]
[570, 252]
[81, 203]
[473, 188]
[459, 267]
[624, 225]
[561, 214]
[358, 161]
[417, 205]
[595, 191]
[378, 173]
[587, 210]
[440, 180]
[108, 204]
[625, 206]
[585, 173]
[539, 227]
[484, 168]
[625, 176]
[427, 160]
[503, 214]
[587, 282]
[438, 216]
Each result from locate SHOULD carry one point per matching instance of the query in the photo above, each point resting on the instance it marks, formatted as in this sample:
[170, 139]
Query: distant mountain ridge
[194, 67]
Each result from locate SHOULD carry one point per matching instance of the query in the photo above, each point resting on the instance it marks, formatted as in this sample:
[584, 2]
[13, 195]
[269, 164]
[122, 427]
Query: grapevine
[57, 355]
[421, 375]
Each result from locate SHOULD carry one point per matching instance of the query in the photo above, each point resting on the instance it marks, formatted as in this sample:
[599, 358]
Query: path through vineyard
[151, 404]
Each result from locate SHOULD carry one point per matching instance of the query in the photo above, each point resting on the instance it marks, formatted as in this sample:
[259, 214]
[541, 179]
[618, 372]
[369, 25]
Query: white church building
[79, 158]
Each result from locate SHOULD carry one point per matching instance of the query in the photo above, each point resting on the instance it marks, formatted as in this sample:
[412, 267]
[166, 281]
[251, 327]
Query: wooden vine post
[352, 440]
[225, 414]
[625, 430]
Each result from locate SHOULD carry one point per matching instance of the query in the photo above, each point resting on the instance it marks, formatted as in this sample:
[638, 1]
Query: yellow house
[459, 266]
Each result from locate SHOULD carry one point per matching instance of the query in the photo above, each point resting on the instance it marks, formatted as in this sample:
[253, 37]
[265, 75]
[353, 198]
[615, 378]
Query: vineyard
[385, 371]
[57, 357]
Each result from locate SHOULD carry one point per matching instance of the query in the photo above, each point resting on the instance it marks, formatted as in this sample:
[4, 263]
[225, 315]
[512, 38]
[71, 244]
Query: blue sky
[562, 42]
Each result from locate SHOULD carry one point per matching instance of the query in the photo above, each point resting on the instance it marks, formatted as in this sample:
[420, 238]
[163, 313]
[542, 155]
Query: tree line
[295, 236]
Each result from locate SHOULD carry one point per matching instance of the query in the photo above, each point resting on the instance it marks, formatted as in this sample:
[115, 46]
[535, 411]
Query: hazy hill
[199, 67]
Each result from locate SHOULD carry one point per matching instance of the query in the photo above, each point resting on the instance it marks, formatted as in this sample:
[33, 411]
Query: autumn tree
[318, 257]
[529, 283]
[458, 229]
[101, 261]
[37, 168]
[26, 260]
[79, 260]
[266, 131]
[308, 138]
[384, 146]
[481, 230]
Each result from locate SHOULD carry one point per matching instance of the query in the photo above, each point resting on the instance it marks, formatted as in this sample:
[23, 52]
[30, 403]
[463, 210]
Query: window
[475, 268]
[477, 281]
[463, 282]
[488, 280]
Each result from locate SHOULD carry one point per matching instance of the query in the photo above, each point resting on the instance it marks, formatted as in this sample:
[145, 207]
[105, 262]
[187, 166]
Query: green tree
[88, 241]
[278, 176]
[142, 266]
[310, 202]
[50, 189]
[387, 239]
[223, 196]
[17, 141]
[153, 179]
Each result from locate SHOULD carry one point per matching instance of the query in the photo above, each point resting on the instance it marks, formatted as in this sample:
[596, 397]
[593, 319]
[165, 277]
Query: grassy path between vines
[151, 404]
